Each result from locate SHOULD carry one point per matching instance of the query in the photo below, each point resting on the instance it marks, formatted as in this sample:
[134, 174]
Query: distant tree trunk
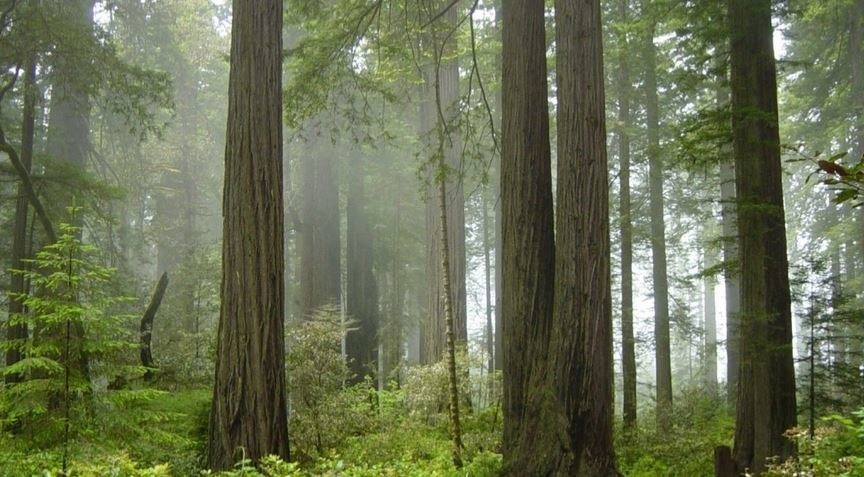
[490, 346]
[766, 389]
[248, 415]
[499, 329]
[320, 250]
[528, 249]
[361, 343]
[663, 355]
[709, 260]
[69, 129]
[443, 78]
[628, 340]
[499, 279]
[731, 267]
[582, 337]
[146, 331]
[18, 333]
[856, 60]
[392, 333]
[838, 328]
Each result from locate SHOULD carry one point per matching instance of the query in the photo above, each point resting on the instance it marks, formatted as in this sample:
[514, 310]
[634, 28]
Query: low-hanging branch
[27, 183]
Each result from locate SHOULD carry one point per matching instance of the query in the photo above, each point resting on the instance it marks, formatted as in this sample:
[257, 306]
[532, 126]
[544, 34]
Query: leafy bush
[48, 464]
[324, 412]
[836, 449]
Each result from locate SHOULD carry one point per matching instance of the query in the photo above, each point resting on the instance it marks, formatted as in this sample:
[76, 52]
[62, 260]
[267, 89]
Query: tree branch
[27, 183]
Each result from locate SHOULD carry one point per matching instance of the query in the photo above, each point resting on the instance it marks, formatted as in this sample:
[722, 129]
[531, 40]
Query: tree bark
[248, 415]
[628, 340]
[766, 389]
[528, 249]
[663, 355]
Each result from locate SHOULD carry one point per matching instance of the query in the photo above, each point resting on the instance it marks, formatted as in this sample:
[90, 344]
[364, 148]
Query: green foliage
[46, 464]
[143, 433]
[75, 335]
[357, 431]
[323, 411]
[836, 449]
[700, 424]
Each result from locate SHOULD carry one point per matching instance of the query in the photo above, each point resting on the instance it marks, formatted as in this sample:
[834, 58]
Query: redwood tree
[248, 415]
[528, 250]
[557, 297]
[766, 381]
[628, 340]
[663, 354]
[581, 360]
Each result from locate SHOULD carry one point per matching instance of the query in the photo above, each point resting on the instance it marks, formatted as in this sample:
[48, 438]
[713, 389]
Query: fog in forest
[435, 237]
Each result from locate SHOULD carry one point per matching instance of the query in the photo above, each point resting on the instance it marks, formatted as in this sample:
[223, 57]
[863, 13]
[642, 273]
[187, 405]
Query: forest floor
[164, 434]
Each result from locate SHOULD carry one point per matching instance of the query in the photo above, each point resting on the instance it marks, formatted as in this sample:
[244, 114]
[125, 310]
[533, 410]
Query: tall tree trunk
[766, 390]
[663, 355]
[528, 249]
[320, 250]
[248, 415]
[709, 281]
[361, 343]
[582, 338]
[628, 340]
[18, 333]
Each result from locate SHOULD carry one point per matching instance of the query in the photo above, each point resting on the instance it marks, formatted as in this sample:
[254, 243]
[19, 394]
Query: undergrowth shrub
[78, 344]
[323, 411]
[700, 423]
[836, 449]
